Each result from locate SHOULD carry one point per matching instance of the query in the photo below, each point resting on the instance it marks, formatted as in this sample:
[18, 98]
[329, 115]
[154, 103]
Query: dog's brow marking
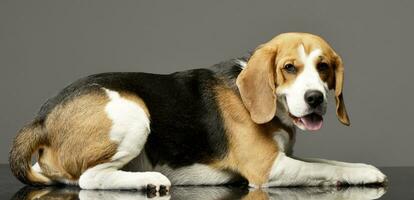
[308, 59]
[302, 53]
[310, 74]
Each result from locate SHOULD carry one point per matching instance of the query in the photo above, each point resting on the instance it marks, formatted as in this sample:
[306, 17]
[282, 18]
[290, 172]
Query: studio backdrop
[46, 44]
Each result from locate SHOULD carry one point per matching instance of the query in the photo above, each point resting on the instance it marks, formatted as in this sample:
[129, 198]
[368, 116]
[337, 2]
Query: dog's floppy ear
[339, 82]
[256, 84]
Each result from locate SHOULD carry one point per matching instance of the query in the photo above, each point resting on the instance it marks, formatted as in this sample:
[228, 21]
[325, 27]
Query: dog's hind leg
[108, 176]
[130, 129]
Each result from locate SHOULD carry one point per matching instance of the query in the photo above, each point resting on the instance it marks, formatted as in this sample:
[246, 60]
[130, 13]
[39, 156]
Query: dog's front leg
[336, 163]
[287, 171]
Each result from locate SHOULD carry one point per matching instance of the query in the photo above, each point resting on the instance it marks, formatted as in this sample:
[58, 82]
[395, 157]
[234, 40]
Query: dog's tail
[29, 139]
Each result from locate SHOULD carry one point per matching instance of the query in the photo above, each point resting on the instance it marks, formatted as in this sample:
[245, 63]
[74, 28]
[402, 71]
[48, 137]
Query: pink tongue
[312, 122]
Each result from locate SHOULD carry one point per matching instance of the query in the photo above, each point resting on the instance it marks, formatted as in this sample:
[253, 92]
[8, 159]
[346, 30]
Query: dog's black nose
[313, 98]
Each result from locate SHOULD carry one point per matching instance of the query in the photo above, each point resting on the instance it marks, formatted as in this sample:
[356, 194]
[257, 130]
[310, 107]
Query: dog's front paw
[156, 184]
[362, 176]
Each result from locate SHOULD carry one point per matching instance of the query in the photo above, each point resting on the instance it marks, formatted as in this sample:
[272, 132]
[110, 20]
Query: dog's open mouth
[311, 122]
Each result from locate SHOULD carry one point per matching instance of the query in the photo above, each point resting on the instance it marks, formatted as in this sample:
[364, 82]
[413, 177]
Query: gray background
[44, 45]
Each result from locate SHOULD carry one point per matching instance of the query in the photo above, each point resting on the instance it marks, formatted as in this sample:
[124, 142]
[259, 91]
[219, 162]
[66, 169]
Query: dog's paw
[152, 191]
[362, 176]
[156, 184]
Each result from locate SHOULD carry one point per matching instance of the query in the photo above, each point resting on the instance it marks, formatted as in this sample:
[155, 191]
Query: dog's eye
[290, 68]
[323, 67]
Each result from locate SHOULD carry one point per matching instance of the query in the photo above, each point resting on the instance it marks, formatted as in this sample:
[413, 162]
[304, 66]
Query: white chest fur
[285, 141]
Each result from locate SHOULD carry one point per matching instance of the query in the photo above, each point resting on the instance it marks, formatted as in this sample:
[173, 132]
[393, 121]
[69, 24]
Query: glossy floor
[400, 187]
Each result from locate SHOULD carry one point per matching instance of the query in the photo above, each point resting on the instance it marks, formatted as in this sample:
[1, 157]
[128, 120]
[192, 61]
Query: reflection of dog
[205, 193]
[197, 127]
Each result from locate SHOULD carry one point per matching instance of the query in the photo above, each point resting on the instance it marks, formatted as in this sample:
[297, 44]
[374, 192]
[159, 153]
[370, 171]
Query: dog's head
[295, 70]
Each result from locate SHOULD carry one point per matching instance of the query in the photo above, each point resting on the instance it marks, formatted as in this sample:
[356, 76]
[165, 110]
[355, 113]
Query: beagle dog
[234, 121]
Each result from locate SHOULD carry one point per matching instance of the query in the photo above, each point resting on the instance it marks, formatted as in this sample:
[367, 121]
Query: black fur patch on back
[186, 124]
